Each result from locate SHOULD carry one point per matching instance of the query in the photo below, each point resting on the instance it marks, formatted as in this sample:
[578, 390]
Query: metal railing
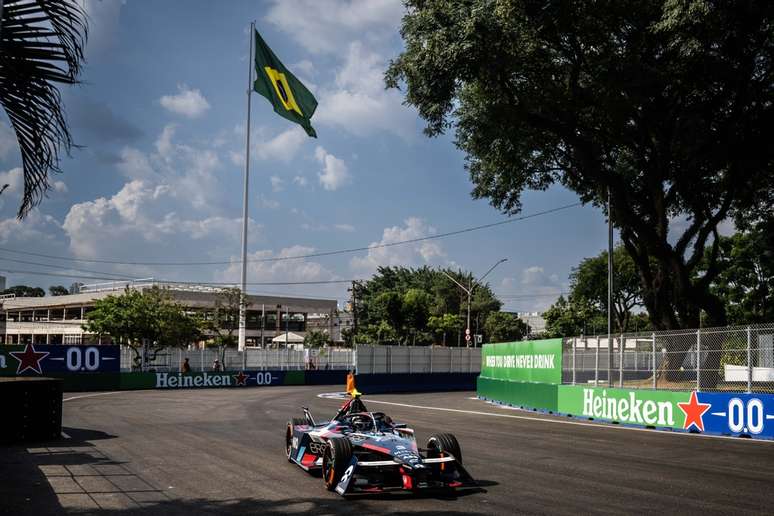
[172, 359]
[417, 359]
[730, 359]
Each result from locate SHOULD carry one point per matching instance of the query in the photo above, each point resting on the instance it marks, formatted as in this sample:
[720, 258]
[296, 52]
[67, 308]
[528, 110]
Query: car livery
[359, 451]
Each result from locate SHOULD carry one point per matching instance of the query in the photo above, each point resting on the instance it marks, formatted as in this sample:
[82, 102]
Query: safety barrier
[528, 375]
[32, 409]
[427, 382]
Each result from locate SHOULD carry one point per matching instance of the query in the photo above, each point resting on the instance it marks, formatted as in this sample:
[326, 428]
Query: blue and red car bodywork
[381, 456]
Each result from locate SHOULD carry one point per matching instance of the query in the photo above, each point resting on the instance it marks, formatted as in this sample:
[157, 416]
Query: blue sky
[161, 118]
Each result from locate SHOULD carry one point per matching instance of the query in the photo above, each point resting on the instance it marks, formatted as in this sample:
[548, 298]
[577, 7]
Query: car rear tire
[336, 458]
[441, 444]
[296, 421]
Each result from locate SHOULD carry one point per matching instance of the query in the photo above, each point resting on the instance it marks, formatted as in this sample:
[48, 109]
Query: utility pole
[469, 291]
[610, 288]
[354, 310]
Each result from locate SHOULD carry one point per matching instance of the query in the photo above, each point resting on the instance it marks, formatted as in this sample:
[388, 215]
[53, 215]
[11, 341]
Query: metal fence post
[142, 357]
[389, 359]
[409, 357]
[201, 358]
[573, 359]
[596, 365]
[620, 360]
[179, 358]
[698, 360]
[244, 358]
[749, 360]
[431, 358]
[653, 358]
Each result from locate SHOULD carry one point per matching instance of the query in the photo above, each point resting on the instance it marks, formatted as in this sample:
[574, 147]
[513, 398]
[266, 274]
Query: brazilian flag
[289, 97]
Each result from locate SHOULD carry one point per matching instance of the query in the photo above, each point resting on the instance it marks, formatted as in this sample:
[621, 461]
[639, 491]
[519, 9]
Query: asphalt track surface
[222, 451]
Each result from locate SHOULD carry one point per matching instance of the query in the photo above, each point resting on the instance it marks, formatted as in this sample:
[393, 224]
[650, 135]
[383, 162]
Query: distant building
[534, 320]
[59, 319]
[341, 321]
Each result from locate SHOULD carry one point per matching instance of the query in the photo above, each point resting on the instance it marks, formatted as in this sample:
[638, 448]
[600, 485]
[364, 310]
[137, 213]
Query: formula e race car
[359, 451]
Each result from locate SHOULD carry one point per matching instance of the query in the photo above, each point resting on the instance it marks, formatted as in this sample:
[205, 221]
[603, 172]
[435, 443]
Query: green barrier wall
[523, 374]
[629, 406]
[538, 396]
[526, 361]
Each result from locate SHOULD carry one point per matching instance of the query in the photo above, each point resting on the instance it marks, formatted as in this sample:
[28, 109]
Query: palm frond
[41, 45]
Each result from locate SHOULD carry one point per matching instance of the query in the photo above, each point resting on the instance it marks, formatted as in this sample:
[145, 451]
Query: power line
[173, 282]
[310, 255]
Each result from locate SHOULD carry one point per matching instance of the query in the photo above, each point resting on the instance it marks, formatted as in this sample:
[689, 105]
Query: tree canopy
[58, 290]
[667, 104]
[25, 291]
[406, 305]
[588, 281]
[143, 316]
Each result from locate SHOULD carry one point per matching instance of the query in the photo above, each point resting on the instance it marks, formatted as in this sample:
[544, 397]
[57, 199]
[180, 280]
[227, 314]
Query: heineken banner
[721, 413]
[42, 360]
[526, 361]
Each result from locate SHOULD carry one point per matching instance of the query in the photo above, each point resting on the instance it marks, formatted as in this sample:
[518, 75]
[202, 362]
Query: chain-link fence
[731, 359]
[172, 359]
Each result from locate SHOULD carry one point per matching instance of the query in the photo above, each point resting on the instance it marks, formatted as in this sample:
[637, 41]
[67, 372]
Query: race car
[359, 451]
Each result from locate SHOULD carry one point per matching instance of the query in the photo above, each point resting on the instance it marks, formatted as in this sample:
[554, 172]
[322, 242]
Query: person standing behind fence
[186, 367]
[216, 365]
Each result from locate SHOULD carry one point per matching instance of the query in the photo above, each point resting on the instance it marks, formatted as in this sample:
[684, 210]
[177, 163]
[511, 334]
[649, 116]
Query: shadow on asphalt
[72, 476]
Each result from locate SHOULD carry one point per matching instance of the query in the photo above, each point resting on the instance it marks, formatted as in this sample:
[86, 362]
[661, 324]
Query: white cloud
[285, 270]
[189, 171]
[140, 215]
[34, 230]
[283, 147]
[534, 290]
[418, 253]
[301, 181]
[277, 185]
[188, 102]
[14, 178]
[347, 228]
[335, 173]
[324, 26]
[59, 186]
[304, 66]
[358, 102]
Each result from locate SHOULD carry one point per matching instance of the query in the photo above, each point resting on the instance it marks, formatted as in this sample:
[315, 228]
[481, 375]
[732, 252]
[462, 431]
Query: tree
[42, 44]
[573, 316]
[223, 319]
[665, 104]
[445, 324]
[746, 280]
[139, 317]
[58, 290]
[504, 327]
[25, 291]
[316, 339]
[396, 303]
[589, 281]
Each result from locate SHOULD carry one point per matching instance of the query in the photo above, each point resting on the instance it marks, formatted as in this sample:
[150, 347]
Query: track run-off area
[222, 451]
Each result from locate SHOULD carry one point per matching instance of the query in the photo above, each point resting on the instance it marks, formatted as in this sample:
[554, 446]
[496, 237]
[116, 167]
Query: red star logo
[693, 412]
[29, 359]
[241, 378]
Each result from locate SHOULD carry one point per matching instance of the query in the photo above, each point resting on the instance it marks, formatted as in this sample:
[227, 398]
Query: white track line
[92, 395]
[578, 423]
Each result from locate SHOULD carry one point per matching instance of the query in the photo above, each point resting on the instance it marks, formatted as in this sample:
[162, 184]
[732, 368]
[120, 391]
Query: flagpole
[243, 280]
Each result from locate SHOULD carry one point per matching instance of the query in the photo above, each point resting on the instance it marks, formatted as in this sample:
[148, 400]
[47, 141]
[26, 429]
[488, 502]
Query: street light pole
[469, 290]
